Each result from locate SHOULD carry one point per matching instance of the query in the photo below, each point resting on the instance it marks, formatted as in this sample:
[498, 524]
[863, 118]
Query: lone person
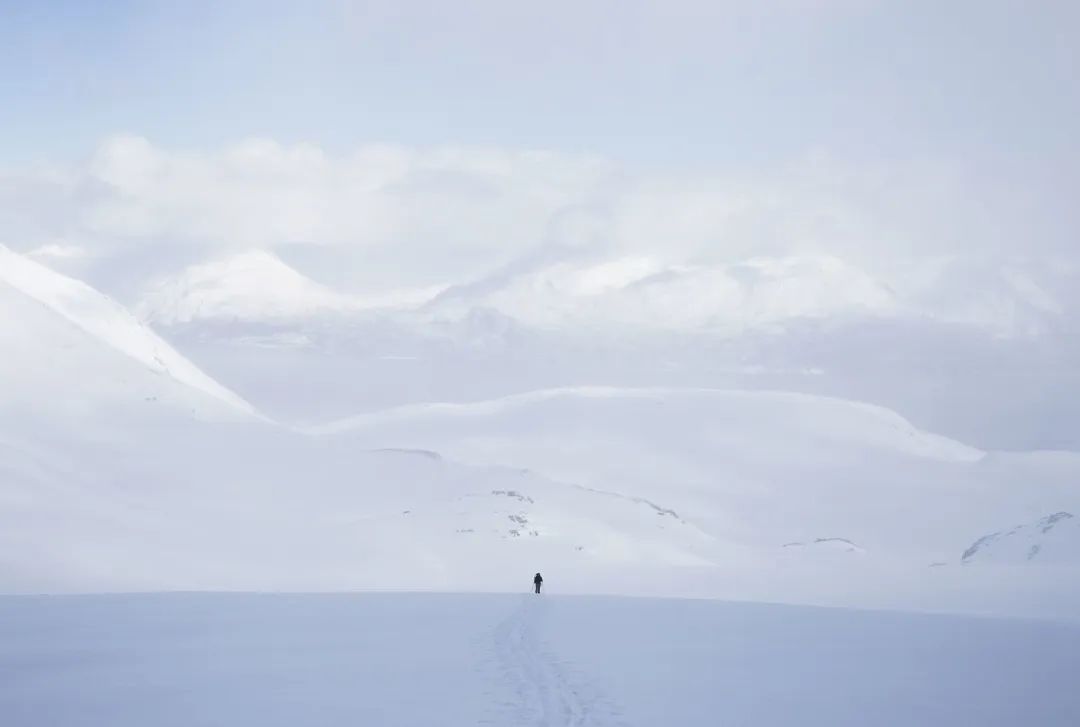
[538, 580]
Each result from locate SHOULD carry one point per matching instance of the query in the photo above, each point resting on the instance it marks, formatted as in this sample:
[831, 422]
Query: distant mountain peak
[644, 293]
[256, 286]
[252, 285]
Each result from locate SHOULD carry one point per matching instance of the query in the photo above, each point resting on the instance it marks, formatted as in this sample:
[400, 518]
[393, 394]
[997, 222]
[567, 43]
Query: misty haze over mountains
[492, 272]
[807, 324]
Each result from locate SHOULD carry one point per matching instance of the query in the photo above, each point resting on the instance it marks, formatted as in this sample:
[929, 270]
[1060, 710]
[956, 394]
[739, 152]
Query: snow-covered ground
[195, 660]
[126, 467]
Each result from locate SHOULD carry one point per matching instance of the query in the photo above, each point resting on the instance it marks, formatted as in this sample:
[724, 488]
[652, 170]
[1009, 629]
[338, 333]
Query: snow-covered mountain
[559, 290]
[254, 286]
[111, 482]
[1053, 540]
[643, 294]
[559, 317]
[66, 345]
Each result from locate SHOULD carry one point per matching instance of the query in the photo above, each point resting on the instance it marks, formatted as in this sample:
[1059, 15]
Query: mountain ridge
[105, 322]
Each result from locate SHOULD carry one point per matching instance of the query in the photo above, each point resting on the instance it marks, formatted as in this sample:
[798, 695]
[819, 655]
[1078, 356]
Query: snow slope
[250, 507]
[631, 292]
[760, 468]
[58, 335]
[551, 661]
[615, 499]
[820, 494]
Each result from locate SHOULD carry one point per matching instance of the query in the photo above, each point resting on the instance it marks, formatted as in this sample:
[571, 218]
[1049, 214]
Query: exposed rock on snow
[1054, 539]
[834, 544]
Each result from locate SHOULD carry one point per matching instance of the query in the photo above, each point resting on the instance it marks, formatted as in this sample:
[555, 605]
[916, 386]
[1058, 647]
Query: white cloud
[394, 218]
[493, 201]
[449, 204]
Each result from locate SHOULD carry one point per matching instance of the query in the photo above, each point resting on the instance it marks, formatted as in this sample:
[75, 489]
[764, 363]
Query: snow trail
[545, 694]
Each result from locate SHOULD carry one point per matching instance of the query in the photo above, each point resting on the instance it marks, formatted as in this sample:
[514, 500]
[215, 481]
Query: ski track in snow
[545, 694]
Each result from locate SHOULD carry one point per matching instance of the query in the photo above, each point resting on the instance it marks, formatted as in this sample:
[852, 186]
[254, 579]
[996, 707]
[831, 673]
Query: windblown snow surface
[124, 467]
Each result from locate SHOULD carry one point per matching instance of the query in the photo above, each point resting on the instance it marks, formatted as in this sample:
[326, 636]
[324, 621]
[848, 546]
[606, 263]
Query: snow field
[415, 660]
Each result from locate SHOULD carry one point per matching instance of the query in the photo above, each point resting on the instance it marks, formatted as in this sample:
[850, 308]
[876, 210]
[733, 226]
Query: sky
[683, 83]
